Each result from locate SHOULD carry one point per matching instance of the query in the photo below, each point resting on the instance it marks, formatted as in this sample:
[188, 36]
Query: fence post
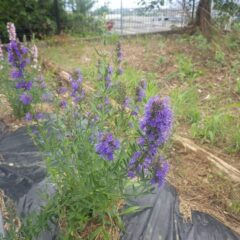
[193, 9]
[121, 18]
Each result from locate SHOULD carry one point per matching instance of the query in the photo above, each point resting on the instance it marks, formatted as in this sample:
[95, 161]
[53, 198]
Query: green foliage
[235, 207]
[220, 57]
[230, 7]
[200, 42]
[151, 4]
[235, 140]
[161, 60]
[79, 23]
[80, 6]
[212, 128]
[238, 86]
[29, 16]
[186, 105]
[186, 69]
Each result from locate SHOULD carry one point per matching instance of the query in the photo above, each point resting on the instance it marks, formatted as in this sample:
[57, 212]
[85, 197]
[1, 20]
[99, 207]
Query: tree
[228, 9]
[81, 6]
[57, 15]
[30, 16]
[102, 10]
[203, 16]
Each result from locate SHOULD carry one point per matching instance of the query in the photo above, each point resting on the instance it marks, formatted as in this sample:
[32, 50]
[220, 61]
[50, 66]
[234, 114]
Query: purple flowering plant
[20, 75]
[96, 146]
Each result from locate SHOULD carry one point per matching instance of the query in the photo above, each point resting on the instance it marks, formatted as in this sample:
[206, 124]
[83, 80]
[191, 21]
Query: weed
[186, 69]
[212, 128]
[219, 57]
[161, 60]
[200, 41]
[185, 104]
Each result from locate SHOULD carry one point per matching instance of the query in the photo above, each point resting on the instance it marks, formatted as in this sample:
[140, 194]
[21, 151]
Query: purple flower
[107, 102]
[157, 122]
[28, 116]
[108, 77]
[140, 94]
[156, 127]
[17, 58]
[126, 102]
[79, 76]
[119, 53]
[39, 116]
[62, 90]
[16, 74]
[107, 145]
[131, 174]
[135, 158]
[25, 85]
[110, 70]
[26, 99]
[75, 86]
[160, 173]
[134, 113]
[63, 104]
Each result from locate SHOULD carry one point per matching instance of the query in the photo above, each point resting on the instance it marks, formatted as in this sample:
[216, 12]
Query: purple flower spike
[108, 77]
[131, 174]
[28, 116]
[75, 86]
[107, 145]
[62, 90]
[140, 94]
[107, 102]
[160, 174]
[126, 102]
[39, 116]
[157, 122]
[156, 127]
[119, 53]
[26, 99]
[63, 104]
[135, 158]
[16, 74]
[24, 85]
[79, 76]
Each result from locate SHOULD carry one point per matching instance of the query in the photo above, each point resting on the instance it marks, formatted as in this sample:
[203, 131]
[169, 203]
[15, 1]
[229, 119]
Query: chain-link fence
[134, 21]
[122, 19]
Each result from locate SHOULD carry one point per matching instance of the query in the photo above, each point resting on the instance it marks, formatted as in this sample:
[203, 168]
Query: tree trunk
[203, 17]
[57, 16]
